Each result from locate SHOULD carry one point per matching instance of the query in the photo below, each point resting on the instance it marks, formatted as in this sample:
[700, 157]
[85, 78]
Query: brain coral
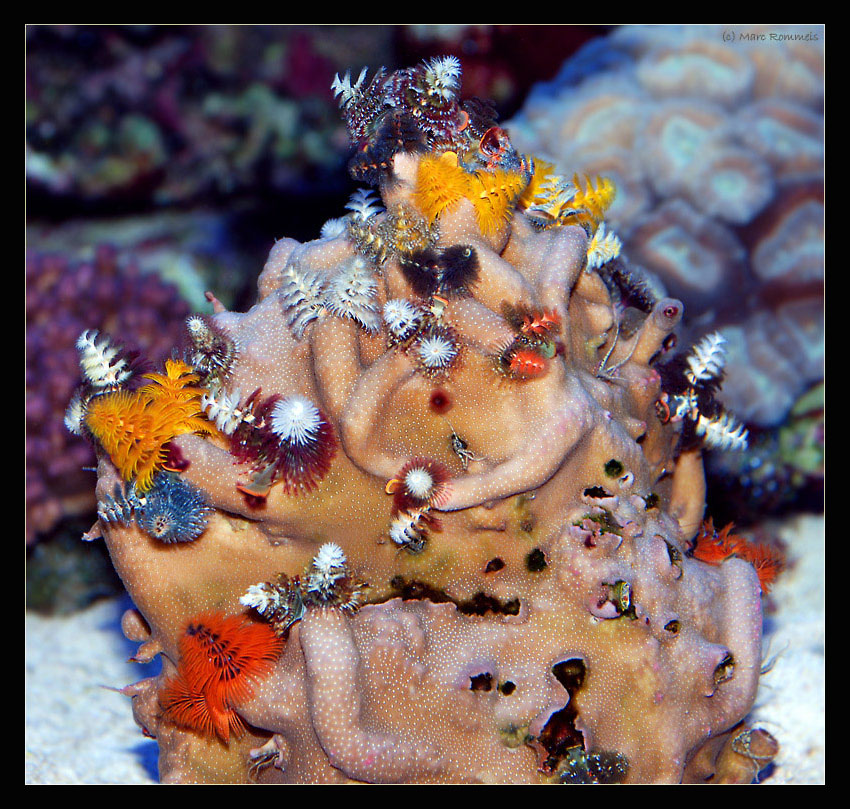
[716, 146]
[439, 523]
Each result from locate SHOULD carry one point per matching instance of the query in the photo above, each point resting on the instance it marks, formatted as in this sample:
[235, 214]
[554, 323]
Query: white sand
[791, 702]
[77, 731]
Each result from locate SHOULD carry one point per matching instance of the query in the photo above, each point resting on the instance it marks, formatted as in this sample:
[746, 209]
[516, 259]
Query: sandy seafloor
[78, 731]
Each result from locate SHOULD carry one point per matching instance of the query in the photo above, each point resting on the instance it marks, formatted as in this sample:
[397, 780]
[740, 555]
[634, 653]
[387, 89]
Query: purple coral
[65, 298]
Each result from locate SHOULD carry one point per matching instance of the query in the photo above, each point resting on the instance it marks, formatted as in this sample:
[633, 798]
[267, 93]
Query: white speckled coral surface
[78, 731]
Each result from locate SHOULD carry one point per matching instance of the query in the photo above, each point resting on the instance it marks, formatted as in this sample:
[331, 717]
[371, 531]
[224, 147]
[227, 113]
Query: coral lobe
[449, 536]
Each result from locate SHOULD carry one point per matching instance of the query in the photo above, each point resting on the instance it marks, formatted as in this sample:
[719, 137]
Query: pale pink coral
[543, 623]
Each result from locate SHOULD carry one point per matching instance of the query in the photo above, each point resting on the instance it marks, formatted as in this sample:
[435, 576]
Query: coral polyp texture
[431, 510]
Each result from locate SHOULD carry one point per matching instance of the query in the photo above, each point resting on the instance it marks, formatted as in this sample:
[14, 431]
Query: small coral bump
[100, 361]
[173, 510]
[707, 359]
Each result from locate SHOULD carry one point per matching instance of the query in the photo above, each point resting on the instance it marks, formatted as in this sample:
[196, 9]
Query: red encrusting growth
[768, 562]
[527, 364]
[714, 547]
[221, 657]
[541, 324]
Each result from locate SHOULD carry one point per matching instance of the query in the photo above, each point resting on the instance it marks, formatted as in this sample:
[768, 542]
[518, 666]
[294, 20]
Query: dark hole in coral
[595, 491]
[641, 438]
[651, 500]
[725, 669]
[672, 626]
[559, 735]
[253, 501]
[176, 461]
[674, 554]
[493, 565]
[613, 468]
[481, 682]
[621, 595]
[570, 673]
[417, 590]
[535, 561]
[597, 767]
[507, 688]
[440, 401]
[479, 604]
